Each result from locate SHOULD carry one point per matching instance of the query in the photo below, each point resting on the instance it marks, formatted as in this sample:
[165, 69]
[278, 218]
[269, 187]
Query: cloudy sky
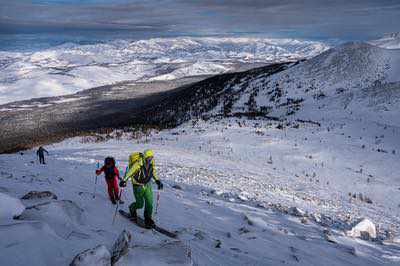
[317, 19]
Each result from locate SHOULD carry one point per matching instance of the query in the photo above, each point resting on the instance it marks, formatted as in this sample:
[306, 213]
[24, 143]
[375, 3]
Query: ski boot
[149, 223]
[133, 215]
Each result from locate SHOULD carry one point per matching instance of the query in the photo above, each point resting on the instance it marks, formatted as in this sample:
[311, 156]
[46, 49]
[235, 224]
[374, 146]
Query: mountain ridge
[307, 90]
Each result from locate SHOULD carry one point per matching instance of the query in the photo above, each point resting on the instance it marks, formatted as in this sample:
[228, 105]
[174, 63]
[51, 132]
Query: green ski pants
[143, 196]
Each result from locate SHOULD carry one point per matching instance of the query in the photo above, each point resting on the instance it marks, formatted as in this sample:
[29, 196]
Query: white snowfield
[319, 188]
[70, 68]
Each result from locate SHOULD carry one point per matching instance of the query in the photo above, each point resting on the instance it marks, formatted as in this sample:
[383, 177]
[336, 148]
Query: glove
[122, 183]
[159, 185]
[98, 172]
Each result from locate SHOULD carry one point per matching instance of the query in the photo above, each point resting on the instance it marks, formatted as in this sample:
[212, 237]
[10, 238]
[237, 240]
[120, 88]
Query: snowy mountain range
[70, 68]
[338, 78]
[354, 78]
[388, 41]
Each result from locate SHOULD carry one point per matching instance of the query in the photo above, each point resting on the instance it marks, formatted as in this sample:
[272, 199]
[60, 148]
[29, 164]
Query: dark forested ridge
[157, 104]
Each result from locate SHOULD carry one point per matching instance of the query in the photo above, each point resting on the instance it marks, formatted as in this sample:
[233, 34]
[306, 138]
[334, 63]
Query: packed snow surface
[69, 68]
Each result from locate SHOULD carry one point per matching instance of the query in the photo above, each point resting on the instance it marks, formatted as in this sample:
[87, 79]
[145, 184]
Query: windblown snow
[69, 68]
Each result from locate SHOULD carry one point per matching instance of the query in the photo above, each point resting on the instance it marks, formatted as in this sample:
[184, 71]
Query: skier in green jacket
[141, 170]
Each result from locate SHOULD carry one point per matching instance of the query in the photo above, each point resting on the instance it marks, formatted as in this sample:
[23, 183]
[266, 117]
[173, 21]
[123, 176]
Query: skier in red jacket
[111, 174]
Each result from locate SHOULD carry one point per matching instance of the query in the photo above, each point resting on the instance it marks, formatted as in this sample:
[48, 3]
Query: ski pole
[95, 182]
[158, 202]
[157, 207]
[116, 208]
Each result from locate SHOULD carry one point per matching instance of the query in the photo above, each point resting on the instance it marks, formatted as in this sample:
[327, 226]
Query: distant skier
[40, 153]
[111, 174]
[141, 170]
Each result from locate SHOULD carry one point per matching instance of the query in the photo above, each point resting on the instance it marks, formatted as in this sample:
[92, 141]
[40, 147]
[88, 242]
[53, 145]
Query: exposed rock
[304, 220]
[278, 207]
[367, 200]
[244, 230]
[39, 195]
[243, 196]
[261, 205]
[365, 236]
[199, 235]
[316, 217]
[296, 212]
[121, 246]
[326, 220]
[236, 249]
[348, 249]
[98, 256]
[248, 220]
[329, 237]
[386, 235]
[218, 243]
[177, 187]
[363, 228]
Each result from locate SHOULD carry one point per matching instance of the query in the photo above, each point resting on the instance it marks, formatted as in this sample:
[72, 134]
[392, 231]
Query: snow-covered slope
[353, 80]
[236, 181]
[69, 68]
[350, 82]
[389, 41]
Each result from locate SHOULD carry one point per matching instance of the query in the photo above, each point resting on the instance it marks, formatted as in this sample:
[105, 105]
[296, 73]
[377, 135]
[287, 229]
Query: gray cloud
[356, 19]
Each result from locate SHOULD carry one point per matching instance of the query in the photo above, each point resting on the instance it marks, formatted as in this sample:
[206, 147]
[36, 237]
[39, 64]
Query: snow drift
[31, 243]
[10, 206]
[63, 216]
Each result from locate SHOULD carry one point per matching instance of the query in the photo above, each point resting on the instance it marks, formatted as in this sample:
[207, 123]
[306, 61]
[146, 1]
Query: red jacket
[109, 173]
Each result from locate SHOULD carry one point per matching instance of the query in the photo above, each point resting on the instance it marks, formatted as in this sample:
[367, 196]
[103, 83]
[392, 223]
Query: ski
[140, 222]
